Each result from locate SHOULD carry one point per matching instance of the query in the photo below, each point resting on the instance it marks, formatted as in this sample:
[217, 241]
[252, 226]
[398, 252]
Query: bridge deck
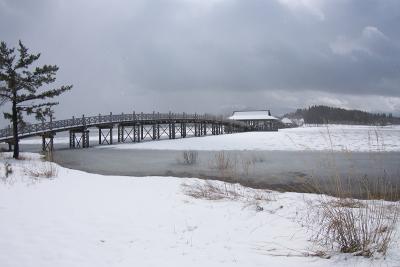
[125, 120]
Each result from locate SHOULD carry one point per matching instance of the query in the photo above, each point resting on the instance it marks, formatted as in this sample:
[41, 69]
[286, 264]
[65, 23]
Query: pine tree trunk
[15, 129]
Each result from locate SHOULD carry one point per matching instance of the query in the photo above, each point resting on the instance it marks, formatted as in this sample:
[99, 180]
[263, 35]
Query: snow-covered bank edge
[77, 218]
[354, 138]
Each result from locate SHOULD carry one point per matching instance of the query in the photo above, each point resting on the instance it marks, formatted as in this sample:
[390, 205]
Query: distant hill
[324, 114]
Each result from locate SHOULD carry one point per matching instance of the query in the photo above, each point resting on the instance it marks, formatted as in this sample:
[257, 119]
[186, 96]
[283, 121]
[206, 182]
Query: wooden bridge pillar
[173, 130]
[183, 130]
[120, 134]
[196, 129]
[48, 141]
[80, 141]
[153, 136]
[137, 133]
[106, 134]
[10, 145]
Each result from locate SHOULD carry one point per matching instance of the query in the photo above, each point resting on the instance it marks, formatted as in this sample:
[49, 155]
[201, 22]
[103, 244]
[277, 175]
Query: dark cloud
[194, 55]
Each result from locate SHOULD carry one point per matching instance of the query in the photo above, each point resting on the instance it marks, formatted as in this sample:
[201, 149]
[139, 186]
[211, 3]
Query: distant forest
[325, 114]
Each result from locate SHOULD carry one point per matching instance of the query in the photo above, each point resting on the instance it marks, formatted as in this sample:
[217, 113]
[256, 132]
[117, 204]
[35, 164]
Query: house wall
[262, 125]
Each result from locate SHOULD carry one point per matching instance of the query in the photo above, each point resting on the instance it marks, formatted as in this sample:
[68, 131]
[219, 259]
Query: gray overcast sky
[213, 55]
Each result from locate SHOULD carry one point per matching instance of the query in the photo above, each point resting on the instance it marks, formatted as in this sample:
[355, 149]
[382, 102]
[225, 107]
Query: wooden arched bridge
[134, 127]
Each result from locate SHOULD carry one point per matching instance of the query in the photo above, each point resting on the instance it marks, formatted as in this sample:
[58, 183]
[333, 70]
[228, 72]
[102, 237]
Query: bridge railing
[83, 121]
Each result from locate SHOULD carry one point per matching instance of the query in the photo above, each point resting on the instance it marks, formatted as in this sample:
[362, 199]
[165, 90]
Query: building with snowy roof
[257, 120]
[287, 122]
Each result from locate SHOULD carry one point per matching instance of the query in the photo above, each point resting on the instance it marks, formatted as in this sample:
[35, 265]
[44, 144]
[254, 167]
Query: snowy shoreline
[338, 138]
[83, 219]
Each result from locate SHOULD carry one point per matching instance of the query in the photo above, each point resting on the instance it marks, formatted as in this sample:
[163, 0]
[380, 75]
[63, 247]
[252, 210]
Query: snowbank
[82, 219]
[332, 137]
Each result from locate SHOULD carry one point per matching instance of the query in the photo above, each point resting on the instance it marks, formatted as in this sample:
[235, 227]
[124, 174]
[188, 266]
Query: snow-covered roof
[286, 121]
[252, 115]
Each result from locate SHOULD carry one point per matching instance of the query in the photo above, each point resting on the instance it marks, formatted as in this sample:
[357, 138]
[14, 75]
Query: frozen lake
[286, 159]
[254, 168]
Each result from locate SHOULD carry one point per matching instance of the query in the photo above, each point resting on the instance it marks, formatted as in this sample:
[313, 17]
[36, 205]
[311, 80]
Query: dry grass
[357, 216]
[7, 171]
[215, 190]
[43, 170]
[190, 157]
[222, 162]
[361, 228]
[234, 167]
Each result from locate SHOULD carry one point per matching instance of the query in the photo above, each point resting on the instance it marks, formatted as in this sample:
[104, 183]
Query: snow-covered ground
[336, 137]
[331, 137]
[81, 219]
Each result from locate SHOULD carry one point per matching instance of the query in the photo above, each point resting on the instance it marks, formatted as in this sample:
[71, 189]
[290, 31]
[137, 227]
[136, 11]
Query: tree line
[320, 114]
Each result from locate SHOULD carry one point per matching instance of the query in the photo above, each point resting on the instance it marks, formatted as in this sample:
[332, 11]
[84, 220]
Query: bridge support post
[79, 141]
[106, 135]
[85, 139]
[48, 142]
[71, 139]
[154, 136]
[120, 133]
[183, 129]
[173, 130]
[10, 145]
[141, 131]
[137, 133]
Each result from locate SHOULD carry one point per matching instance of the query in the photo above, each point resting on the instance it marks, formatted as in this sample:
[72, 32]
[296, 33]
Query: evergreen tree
[22, 87]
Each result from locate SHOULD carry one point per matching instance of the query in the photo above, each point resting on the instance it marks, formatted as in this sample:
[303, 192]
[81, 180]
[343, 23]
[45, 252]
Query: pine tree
[22, 87]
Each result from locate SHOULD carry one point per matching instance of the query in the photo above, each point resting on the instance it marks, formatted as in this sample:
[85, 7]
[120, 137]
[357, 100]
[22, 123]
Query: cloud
[193, 55]
[371, 41]
[314, 7]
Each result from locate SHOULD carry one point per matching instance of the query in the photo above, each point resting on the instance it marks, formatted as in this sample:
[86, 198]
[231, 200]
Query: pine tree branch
[7, 57]
[47, 94]
[25, 59]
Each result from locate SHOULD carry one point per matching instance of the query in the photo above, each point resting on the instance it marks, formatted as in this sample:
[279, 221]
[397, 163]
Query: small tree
[20, 86]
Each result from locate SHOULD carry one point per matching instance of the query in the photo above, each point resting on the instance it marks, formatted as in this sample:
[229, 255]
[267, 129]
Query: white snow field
[328, 137]
[331, 137]
[82, 219]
